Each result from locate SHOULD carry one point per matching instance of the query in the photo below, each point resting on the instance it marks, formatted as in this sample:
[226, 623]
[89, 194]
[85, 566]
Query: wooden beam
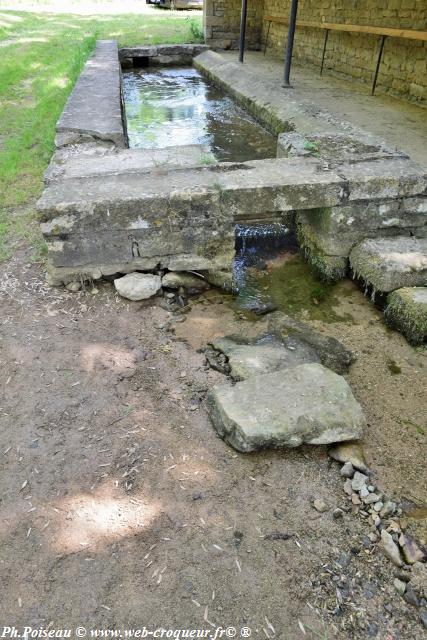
[354, 28]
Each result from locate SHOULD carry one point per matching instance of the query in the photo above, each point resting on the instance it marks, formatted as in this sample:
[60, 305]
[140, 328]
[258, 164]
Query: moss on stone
[328, 268]
[406, 311]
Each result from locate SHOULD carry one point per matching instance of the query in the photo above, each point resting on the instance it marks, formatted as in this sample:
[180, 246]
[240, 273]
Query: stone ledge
[389, 264]
[93, 110]
[163, 54]
[69, 164]
[241, 189]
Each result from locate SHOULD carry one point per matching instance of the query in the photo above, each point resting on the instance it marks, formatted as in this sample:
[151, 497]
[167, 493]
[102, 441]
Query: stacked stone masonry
[403, 69]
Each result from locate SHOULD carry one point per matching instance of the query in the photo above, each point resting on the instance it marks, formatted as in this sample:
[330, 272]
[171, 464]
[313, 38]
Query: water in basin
[176, 106]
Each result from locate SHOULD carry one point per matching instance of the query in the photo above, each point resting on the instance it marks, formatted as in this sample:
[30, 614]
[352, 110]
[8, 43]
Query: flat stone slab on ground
[332, 353]
[407, 311]
[387, 264]
[304, 404]
[247, 360]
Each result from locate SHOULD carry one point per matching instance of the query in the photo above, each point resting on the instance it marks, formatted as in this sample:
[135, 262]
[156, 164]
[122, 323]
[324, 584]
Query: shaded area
[270, 273]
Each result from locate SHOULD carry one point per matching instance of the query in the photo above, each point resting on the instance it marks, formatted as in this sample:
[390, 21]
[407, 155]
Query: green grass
[41, 56]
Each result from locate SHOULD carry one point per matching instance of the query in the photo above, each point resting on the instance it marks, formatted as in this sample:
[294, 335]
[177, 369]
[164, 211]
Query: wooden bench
[384, 32]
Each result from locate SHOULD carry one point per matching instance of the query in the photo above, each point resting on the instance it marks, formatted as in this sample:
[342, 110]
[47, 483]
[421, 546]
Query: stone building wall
[222, 23]
[403, 69]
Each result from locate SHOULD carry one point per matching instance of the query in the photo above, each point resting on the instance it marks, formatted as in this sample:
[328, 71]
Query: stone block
[305, 404]
[406, 311]
[389, 264]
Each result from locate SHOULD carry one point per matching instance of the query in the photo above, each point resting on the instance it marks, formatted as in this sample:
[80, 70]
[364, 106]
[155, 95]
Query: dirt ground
[120, 508]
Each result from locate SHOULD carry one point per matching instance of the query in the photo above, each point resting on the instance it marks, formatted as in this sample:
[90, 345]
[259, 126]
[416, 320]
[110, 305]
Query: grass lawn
[41, 56]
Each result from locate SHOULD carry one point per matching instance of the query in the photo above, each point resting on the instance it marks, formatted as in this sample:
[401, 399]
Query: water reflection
[176, 106]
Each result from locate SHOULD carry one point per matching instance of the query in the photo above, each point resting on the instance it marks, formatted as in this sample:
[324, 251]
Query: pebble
[400, 586]
[423, 618]
[378, 506]
[347, 470]
[410, 596]
[373, 537]
[349, 452]
[370, 498]
[347, 487]
[73, 287]
[403, 576]
[394, 526]
[411, 551]
[372, 629]
[337, 513]
[320, 505]
[359, 481]
[344, 560]
[355, 499]
[369, 590]
[364, 492]
[371, 488]
[390, 548]
[375, 518]
[387, 509]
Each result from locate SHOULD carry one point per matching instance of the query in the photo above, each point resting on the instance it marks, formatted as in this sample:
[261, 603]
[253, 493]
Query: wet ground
[177, 106]
[270, 273]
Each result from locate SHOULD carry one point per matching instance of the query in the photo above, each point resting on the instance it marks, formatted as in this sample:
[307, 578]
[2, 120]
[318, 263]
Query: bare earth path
[120, 508]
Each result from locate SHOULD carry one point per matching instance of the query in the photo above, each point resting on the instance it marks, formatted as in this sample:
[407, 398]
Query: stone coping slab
[66, 164]
[93, 110]
[248, 189]
[335, 148]
[161, 55]
[387, 264]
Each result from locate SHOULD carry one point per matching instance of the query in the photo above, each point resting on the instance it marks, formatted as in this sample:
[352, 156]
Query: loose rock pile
[383, 517]
[141, 286]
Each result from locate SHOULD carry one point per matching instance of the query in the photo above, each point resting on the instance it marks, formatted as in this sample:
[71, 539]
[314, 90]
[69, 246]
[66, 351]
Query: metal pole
[290, 42]
[243, 30]
[266, 40]
[380, 55]
[324, 51]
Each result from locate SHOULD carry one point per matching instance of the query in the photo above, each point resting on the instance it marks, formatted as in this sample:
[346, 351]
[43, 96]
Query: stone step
[305, 404]
[406, 310]
[72, 163]
[387, 264]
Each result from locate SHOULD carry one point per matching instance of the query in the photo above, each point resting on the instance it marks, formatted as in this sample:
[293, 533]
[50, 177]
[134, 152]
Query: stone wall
[404, 66]
[222, 23]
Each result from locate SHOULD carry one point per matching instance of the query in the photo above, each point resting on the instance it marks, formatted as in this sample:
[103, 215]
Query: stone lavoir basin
[163, 152]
